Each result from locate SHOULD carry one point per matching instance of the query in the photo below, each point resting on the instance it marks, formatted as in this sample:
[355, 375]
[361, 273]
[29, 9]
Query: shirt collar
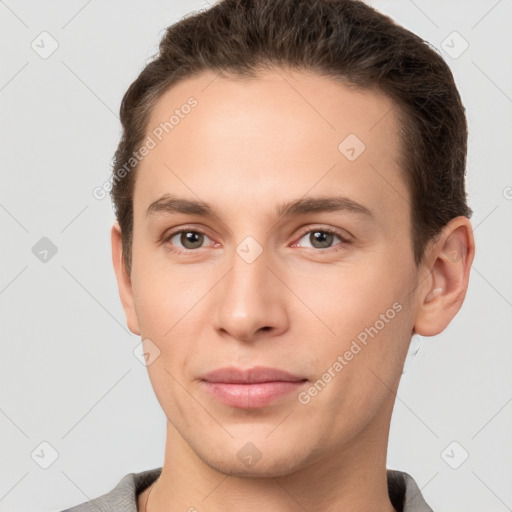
[403, 492]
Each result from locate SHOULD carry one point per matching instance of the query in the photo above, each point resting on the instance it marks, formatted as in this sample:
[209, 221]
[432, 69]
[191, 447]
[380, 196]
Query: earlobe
[123, 279]
[449, 264]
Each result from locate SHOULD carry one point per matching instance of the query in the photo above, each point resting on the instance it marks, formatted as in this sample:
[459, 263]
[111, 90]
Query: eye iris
[196, 239]
[323, 237]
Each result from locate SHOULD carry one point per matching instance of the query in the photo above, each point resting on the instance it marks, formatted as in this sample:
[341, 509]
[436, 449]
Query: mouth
[250, 388]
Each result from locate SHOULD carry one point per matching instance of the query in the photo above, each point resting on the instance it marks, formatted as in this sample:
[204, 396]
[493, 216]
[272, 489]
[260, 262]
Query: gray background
[69, 376]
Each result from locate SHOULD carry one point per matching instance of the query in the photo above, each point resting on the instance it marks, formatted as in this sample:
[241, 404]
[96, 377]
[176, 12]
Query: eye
[322, 238]
[189, 239]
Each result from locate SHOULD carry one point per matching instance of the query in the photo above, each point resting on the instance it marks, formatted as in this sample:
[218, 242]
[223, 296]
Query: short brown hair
[346, 40]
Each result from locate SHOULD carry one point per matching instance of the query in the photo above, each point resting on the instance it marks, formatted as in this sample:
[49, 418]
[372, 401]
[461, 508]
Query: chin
[265, 458]
[269, 469]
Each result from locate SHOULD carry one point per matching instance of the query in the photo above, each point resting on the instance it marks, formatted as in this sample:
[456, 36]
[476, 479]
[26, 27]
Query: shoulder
[123, 496]
[404, 493]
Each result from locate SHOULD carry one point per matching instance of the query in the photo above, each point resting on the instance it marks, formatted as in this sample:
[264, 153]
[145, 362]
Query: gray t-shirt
[403, 493]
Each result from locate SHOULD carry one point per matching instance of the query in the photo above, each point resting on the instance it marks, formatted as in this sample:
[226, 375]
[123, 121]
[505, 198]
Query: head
[256, 118]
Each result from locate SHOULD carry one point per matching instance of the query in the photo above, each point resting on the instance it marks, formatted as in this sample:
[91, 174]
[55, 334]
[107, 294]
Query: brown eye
[323, 239]
[191, 239]
[186, 240]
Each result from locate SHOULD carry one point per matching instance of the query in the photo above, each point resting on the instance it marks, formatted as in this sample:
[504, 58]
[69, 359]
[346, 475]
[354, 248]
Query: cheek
[165, 310]
[368, 377]
[375, 370]
[369, 317]
[170, 304]
[347, 298]
[165, 297]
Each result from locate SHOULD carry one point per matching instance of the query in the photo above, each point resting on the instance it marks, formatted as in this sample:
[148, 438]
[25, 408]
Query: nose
[251, 301]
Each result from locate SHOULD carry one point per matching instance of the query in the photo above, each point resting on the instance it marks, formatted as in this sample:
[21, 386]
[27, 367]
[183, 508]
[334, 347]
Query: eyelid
[179, 229]
[343, 234]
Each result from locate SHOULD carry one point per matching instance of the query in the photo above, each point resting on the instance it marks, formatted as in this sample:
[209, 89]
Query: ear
[123, 279]
[443, 291]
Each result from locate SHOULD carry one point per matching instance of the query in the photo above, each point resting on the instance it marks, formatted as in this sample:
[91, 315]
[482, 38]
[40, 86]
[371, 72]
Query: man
[289, 191]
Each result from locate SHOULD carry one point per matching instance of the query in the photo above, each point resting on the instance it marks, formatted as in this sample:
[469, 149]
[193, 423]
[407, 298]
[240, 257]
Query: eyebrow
[168, 204]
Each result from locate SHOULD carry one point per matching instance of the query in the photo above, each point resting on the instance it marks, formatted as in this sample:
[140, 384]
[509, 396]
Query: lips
[250, 388]
[253, 375]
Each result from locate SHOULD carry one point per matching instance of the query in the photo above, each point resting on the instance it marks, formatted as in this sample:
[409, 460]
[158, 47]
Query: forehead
[246, 143]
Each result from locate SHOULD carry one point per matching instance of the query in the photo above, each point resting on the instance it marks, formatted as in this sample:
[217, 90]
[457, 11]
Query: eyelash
[340, 246]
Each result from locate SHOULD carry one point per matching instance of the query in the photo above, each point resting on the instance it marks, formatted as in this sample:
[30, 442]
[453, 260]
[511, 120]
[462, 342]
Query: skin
[246, 148]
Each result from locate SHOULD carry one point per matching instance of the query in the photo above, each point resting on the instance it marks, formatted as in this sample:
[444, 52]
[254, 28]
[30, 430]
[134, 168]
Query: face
[301, 263]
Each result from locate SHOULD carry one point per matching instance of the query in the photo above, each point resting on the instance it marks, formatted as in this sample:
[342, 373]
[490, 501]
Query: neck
[352, 477]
